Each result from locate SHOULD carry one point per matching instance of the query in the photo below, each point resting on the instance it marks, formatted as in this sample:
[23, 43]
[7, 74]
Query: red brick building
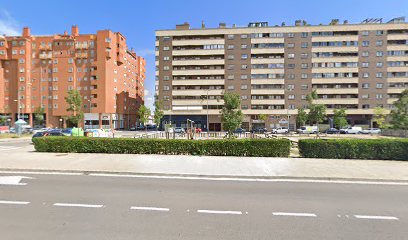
[38, 71]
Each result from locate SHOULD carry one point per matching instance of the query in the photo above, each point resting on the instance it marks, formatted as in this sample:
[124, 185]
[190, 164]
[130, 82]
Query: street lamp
[18, 108]
[60, 120]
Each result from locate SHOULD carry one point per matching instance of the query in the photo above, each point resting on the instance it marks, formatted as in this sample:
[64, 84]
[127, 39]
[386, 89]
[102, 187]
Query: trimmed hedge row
[381, 149]
[246, 147]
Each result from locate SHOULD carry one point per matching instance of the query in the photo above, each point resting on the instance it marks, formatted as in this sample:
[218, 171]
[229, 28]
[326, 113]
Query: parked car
[179, 130]
[37, 134]
[351, 130]
[371, 131]
[331, 131]
[239, 130]
[67, 131]
[141, 127]
[133, 129]
[259, 130]
[280, 130]
[308, 130]
[198, 130]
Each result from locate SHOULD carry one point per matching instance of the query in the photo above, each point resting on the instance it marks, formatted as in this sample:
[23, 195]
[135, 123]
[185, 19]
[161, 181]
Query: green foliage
[144, 113]
[399, 115]
[301, 117]
[158, 112]
[3, 120]
[235, 147]
[339, 118]
[262, 117]
[74, 101]
[231, 115]
[39, 116]
[381, 149]
[380, 116]
[317, 112]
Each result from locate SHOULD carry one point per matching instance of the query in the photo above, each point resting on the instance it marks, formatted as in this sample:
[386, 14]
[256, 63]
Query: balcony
[336, 101]
[199, 72]
[81, 55]
[198, 92]
[198, 42]
[198, 62]
[187, 102]
[120, 58]
[45, 56]
[268, 101]
[198, 81]
[268, 91]
[336, 90]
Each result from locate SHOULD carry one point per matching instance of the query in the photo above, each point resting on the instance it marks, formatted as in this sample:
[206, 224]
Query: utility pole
[208, 124]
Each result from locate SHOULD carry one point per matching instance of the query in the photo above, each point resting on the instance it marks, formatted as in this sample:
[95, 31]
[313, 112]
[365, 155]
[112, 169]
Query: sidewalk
[26, 159]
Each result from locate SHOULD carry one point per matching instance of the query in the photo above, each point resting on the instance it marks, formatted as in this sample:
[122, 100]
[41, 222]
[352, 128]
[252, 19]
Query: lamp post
[18, 107]
[60, 120]
[90, 111]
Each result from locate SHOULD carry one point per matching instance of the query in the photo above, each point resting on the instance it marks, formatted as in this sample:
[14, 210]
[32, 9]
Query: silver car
[371, 131]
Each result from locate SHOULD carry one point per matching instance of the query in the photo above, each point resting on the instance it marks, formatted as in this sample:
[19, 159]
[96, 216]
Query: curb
[198, 176]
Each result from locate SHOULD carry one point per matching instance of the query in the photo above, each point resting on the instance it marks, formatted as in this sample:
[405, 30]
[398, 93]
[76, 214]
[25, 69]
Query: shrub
[381, 149]
[213, 147]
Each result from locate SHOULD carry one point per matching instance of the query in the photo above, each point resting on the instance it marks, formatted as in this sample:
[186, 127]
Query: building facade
[36, 72]
[354, 66]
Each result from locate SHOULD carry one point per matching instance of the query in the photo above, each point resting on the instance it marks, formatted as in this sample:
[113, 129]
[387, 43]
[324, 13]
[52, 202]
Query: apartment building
[353, 66]
[38, 71]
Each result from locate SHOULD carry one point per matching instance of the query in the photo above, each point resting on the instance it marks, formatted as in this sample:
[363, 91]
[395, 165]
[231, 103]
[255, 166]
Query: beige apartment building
[353, 66]
[38, 71]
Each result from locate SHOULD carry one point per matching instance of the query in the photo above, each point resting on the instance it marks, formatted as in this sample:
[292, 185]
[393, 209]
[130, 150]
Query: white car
[371, 131]
[308, 130]
[351, 130]
[280, 130]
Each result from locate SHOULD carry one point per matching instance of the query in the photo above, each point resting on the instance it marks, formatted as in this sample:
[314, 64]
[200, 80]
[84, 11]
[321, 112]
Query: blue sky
[138, 20]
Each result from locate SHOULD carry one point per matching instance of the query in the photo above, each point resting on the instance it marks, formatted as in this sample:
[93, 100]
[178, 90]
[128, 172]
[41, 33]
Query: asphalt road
[101, 207]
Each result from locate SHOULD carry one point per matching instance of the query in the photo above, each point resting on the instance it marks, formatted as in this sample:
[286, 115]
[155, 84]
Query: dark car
[133, 129]
[239, 130]
[332, 131]
[37, 134]
[140, 128]
[259, 130]
[53, 133]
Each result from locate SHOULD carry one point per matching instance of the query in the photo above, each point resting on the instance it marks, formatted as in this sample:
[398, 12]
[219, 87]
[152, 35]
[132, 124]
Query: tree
[39, 116]
[144, 113]
[301, 117]
[340, 118]
[317, 112]
[380, 116]
[399, 115]
[231, 115]
[74, 101]
[158, 113]
[3, 120]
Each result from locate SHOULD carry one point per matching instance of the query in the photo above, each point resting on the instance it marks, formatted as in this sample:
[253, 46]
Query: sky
[138, 20]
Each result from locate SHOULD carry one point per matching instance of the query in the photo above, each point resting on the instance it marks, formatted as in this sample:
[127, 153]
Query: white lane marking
[77, 205]
[13, 180]
[252, 179]
[294, 214]
[220, 212]
[376, 217]
[8, 148]
[285, 180]
[14, 202]
[150, 209]
[42, 173]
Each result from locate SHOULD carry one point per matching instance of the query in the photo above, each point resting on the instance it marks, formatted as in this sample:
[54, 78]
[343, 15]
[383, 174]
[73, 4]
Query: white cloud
[8, 25]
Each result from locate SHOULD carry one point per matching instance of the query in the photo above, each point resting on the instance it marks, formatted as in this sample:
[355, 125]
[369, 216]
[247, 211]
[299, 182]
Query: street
[45, 206]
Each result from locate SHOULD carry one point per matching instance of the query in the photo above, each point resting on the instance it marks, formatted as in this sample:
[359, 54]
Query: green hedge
[387, 149]
[247, 147]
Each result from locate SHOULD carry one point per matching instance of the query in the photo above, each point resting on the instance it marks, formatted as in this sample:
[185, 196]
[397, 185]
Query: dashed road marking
[294, 214]
[14, 202]
[220, 212]
[13, 180]
[150, 209]
[78, 205]
[7, 148]
[376, 217]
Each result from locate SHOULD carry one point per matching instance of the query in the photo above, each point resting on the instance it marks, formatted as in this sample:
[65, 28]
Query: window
[379, 75]
[304, 44]
[230, 87]
[243, 77]
[379, 85]
[22, 51]
[379, 53]
[108, 40]
[304, 65]
[291, 65]
[366, 75]
[244, 66]
[70, 60]
[304, 76]
[291, 76]
[304, 55]
[380, 64]
[291, 35]
[291, 55]
[166, 48]
[166, 68]
[379, 43]
[230, 57]
[231, 36]
[230, 77]
[244, 46]
[290, 45]
[230, 67]
[166, 88]
[365, 43]
[364, 64]
[243, 87]
[365, 33]
[365, 85]
[292, 106]
[244, 36]
[291, 96]
[244, 97]
[166, 78]
[55, 70]
[291, 87]
[230, 46]
[304, 34]
[14, 52]
[166, 58]
[304, 87]
[364, 54]
[244, 56]
[70, 70]
[378, 96]
[365, 96]
[379, 32]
